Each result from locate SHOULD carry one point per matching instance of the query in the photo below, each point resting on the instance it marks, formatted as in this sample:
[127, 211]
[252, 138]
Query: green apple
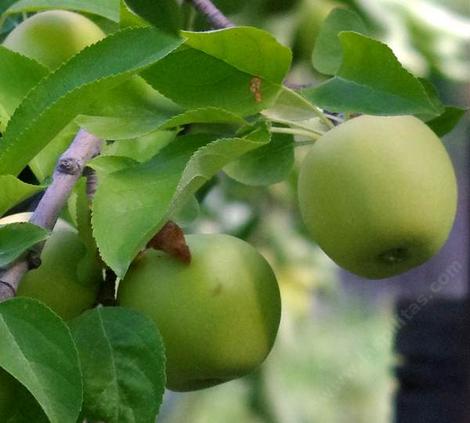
[56, 282]
[378, 194]
[53, 37]
[218, 316]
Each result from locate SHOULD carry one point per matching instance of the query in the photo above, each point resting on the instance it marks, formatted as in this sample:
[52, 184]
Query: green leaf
[38, 350]
[123, 364]
[19, 74]
[130, 110]
[236, 69]
[204, 115]
[371, 80]
[109, 164]
[22, 407]
[164, 14]
[194, 79]
[87, 266]
[187, 213]
[129, 18]
[266, 165]
[64, 94]
[250, 50]
[14, 191]
[109, 9]
[5, 4]
[447, 121]
[140, 149]
[139, 200]
[16, 238]
[328, 53]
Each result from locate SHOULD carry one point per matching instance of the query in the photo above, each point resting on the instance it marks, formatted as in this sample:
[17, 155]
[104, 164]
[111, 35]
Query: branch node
[10, 287]
[34, 261]
[69, 166]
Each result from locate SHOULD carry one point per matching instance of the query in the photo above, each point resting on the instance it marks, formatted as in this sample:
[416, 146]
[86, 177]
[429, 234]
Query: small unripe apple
[378, 194]
[218, 316]
[53, 37]
[56, 282]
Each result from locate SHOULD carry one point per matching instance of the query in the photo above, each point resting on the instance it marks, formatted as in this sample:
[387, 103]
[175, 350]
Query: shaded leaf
[164, 14]
[123, 363]
[266, 165]
[38, 350]
[447, 121]
[14, 191]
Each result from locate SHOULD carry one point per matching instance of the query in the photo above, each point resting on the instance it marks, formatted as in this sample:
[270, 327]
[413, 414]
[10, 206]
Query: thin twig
[67, 172]
[216, 18]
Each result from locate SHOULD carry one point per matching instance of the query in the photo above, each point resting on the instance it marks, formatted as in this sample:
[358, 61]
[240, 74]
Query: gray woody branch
[67, 172]
[216, 18]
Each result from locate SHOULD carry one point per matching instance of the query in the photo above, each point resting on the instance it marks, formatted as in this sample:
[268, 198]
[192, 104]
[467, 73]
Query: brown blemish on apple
[170, 239]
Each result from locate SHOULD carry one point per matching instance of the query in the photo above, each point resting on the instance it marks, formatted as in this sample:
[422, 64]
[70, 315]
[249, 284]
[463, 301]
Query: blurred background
[337, 357]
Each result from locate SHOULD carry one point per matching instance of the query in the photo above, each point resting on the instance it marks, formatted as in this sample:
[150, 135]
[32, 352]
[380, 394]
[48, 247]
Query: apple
[378, 194]
[218, 316]
[53, 37]
[56, 282]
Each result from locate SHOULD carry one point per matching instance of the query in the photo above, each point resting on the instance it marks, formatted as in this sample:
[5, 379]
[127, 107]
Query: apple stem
[68, 170]
[216, 18]
[296, 124]
[303, 143]
[294, 131]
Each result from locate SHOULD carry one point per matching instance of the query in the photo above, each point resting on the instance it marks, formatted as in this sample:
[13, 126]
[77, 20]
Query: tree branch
[216, 18]
[69, 168]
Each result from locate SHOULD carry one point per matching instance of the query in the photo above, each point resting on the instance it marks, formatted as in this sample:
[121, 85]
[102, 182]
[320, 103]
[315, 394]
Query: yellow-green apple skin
[218, 316]
[378, 194]
[56, 282]
[53, 37]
